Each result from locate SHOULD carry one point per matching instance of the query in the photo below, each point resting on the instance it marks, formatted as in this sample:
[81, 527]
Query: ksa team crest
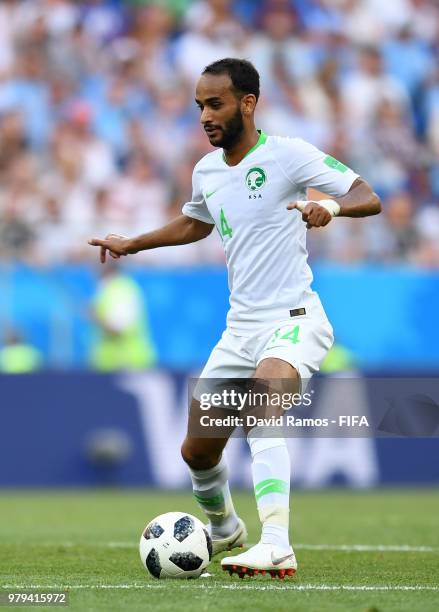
[255, 179]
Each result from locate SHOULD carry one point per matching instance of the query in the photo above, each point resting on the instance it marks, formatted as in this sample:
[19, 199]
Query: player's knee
[196, 457]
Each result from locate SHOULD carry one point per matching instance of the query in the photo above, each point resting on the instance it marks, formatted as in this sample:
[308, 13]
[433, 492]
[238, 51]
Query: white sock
[275, 535]
[271, 480]
[211, 490]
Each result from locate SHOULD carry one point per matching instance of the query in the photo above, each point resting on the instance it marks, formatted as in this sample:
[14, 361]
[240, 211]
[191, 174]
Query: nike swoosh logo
[211, 193]
[281, 559]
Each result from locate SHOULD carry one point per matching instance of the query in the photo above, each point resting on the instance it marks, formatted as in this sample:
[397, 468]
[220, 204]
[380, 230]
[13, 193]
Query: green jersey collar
[261, 140]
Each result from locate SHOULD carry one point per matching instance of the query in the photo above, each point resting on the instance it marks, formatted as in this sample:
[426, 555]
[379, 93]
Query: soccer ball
[175, 545]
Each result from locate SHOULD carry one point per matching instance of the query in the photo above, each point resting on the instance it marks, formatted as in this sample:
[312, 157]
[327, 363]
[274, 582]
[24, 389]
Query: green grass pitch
[364, 551]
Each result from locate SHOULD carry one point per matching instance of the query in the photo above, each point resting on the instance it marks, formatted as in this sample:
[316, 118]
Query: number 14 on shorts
[284, 335]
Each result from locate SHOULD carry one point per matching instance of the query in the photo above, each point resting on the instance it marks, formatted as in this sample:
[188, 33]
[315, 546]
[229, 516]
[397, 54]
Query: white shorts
[301, 341]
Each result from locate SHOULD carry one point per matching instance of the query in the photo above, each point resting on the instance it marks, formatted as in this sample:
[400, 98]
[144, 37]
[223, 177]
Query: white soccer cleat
[262, 559]
[237, 539]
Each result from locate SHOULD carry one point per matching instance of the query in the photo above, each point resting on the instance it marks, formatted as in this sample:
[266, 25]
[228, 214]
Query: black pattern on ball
[153, 563]
[183, 527]
[186, 561]
[153, 530]
[208, 543]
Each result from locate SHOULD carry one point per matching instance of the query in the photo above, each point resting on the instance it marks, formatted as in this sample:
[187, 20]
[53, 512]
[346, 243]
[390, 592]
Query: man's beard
[231, 132]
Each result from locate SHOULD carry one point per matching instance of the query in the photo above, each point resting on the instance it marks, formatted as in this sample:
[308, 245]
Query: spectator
[401, 219]
[367, 86]
[99, 131]
[13, 142]
[213, 32]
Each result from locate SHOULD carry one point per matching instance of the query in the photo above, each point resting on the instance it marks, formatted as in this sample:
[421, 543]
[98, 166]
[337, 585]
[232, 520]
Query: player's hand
[313, 214]
[115, 244]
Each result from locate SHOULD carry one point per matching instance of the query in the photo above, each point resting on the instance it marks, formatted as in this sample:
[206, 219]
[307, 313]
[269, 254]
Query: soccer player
[253, 189]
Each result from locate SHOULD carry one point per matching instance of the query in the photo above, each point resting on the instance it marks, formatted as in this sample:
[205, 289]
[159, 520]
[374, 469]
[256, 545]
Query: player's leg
[293, 352]
[271, 481]
[271, 468]
[209, 474]
[204, 454]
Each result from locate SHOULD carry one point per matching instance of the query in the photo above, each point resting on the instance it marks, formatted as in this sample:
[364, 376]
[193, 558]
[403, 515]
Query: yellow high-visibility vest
[19, 359]
[130, 347]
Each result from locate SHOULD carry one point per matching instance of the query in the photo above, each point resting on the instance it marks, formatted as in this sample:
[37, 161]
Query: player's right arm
[181, 230]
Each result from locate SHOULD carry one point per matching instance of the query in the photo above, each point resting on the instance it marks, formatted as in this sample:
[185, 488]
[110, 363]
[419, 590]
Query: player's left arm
[359, 201]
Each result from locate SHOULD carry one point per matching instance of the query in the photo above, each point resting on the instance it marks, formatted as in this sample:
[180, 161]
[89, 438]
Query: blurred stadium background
[99, 132]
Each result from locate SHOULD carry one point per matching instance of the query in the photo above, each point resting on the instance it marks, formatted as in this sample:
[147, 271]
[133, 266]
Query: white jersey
[264, 243]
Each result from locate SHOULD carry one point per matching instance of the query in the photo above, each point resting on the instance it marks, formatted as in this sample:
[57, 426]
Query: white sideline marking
[340, 547]
[335, 547]
[238, 587]
[367, 547]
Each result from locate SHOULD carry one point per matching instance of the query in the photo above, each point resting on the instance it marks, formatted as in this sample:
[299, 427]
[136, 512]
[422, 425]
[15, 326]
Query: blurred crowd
[99, 131]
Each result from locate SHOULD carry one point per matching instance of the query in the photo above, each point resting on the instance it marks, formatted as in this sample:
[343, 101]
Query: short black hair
[242, 73]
